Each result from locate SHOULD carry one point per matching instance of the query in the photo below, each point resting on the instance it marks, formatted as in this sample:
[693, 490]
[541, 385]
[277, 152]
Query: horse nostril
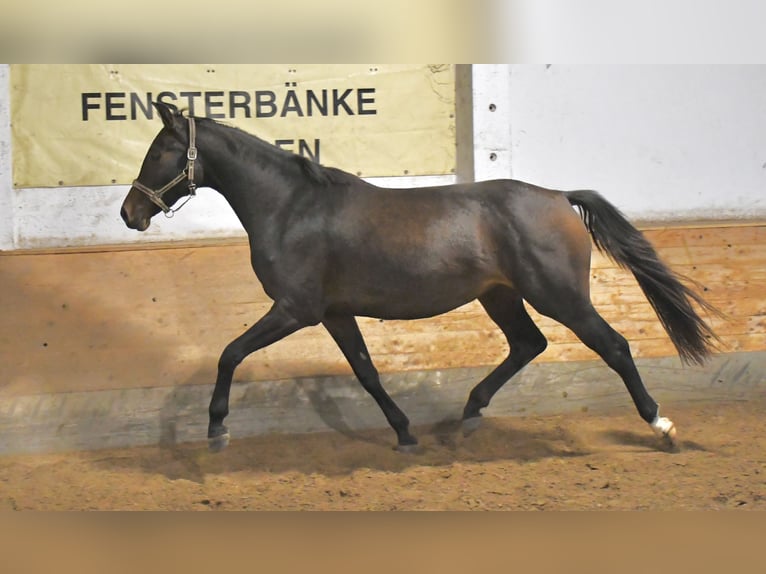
[124, 214]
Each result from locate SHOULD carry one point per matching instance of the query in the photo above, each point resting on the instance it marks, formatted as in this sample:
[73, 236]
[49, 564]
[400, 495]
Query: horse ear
[168, 113]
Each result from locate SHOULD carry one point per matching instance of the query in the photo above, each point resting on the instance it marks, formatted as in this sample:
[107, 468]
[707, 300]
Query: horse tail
[618, 239]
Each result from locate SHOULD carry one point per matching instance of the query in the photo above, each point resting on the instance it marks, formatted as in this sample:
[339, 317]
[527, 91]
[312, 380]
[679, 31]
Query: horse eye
[155, 156]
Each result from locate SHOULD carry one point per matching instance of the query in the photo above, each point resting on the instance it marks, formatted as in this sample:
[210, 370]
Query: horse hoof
[218, 443]
[471, 425]
[408, 448]
[665, 429]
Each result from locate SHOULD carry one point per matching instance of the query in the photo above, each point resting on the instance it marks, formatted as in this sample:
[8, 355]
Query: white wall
[631, 31]
[662, 142]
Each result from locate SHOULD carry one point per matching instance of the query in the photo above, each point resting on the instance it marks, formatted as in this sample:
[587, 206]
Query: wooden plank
[706, 237]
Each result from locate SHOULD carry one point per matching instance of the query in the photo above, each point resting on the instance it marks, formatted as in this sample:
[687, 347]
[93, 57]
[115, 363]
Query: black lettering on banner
[265, 104]
[239, 100]
[146, 106]
[163, 98]
[291, 104]
[220, 104]
[88, 105]
[112, 105]
[305, 150]
[311, 100]
[190, 98]
[210, 104]
[338, 102]
[361, 101]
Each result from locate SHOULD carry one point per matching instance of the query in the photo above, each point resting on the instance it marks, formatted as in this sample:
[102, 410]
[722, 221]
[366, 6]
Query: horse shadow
[649, 441]
[346, 449]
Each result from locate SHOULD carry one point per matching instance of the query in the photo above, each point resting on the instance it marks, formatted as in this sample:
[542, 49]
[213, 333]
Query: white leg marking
[664, 427]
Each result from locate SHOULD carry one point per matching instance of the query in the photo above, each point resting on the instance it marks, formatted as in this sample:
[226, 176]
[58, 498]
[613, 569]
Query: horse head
[169, 170]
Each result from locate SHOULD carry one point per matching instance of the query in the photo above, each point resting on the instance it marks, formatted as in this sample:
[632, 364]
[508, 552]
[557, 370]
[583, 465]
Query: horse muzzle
[133, 219]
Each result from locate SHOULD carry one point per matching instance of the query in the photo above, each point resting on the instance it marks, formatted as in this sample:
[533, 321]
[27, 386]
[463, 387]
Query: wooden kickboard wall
[121, 319]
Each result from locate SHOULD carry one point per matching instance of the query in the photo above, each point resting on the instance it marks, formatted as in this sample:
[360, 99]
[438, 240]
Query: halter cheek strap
[155, 196]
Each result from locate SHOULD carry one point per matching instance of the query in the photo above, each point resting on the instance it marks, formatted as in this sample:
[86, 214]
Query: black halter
[155, 196]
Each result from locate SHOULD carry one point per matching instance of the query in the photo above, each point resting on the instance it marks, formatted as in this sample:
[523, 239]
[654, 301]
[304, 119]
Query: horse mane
[315, 172]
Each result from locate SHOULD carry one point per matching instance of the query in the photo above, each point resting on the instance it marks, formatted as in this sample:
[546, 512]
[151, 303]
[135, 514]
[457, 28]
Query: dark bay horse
[328, 246]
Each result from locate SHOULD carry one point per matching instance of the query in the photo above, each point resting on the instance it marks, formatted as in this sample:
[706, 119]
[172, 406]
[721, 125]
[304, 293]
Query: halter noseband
[155, 196]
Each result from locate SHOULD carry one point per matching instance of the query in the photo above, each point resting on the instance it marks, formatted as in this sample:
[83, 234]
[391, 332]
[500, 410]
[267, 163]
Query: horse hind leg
[506, 308]
[557, 285]
[614, 349]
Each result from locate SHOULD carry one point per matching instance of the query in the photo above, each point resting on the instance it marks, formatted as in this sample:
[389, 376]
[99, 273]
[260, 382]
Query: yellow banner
[91, 124]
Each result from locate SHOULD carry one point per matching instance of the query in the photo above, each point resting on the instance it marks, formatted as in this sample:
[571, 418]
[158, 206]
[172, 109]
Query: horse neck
[255, 177]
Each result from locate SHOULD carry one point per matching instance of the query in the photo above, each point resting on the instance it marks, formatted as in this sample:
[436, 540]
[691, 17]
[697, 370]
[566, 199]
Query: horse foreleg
[272, 327]
[345, 332]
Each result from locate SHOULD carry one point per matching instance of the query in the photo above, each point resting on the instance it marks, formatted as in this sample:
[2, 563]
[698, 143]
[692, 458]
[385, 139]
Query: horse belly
[406, 295]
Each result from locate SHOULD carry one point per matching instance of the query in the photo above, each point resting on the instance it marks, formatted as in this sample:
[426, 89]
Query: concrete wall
[662, 142]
